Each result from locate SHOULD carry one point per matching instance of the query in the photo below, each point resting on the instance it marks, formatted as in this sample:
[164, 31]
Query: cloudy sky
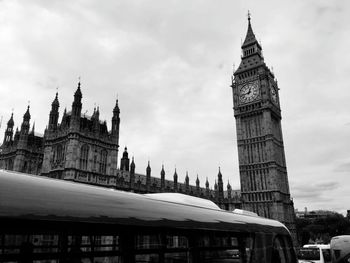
[170, 64]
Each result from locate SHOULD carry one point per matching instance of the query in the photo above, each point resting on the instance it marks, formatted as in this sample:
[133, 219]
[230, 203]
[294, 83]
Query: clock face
[273, 95]
[249, 92]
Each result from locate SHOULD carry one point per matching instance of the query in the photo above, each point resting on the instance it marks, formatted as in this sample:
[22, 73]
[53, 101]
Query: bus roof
[184, 199]
[25, 196]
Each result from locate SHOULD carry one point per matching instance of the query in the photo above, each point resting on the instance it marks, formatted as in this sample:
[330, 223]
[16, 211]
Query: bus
[44, 220]
[340, 249]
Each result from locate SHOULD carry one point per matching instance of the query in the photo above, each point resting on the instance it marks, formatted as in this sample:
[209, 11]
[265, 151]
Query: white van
[314, 253]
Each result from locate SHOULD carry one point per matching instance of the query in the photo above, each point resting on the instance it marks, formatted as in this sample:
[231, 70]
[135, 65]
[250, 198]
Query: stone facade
[262, 164]
[80, 146]
[22, 151]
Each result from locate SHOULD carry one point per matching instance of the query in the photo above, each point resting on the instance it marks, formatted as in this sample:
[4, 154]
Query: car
[316, 253]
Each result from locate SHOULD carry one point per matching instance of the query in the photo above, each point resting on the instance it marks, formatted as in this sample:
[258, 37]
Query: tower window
[84, 154]
[59, 154]
[103, 162]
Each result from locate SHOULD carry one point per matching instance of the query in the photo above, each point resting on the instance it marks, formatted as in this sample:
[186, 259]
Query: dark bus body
[49, 220]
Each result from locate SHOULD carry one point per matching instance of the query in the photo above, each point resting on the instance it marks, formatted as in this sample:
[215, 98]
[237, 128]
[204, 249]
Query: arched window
[84, 155]
[94, 166]
[103, 162]
[10, 167]
[59, 154]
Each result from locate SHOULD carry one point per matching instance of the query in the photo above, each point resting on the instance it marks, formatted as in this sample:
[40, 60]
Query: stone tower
[262, 164]
[80, 148]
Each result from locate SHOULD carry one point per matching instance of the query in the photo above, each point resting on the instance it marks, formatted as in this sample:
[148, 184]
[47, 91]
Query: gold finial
[248, 15]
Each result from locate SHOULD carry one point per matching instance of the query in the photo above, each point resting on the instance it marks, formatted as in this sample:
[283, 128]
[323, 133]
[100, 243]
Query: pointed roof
[162, 172]
[148, 169]
[11, 122]
[207, 183]
[132, 165]
[78, 91]
[219, 174]
[55, 101]
[250, 37]
[116, 109]
[26, 115]
[125, 153]
[175, 174]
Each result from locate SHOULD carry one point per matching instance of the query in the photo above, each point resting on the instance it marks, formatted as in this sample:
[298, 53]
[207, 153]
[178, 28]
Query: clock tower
[262, 164]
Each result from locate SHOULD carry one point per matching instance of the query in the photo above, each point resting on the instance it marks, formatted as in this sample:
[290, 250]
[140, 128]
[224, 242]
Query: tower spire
[250, 36]
[252, 56]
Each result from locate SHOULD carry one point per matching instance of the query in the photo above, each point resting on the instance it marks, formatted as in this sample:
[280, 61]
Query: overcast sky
[170, 63]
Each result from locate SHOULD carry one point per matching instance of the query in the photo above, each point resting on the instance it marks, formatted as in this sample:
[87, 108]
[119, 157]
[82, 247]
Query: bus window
[225, 248]
[161, 248]
[278, 251]
[147, 242]
[176, 249]
[175, 241]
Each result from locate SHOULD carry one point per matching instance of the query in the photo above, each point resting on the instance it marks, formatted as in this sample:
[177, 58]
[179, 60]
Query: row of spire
[76, 112]
[124, 166]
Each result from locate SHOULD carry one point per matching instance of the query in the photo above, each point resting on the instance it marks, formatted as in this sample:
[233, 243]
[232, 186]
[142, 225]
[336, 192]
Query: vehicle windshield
[309, 253]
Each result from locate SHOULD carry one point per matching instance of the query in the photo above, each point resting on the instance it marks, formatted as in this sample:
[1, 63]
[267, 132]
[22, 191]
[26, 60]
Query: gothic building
[80, 148]
[262, 164]
[22, 151]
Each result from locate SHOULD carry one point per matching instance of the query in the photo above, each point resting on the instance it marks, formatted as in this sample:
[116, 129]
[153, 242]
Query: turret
[148, 177]
[54, 114]
[229, 190]
[175, 181]
[116, 120]
[220, 186]
[124, 161]
[96, 120]
[132, 174]
[25, 124]
[187, 183]
[16, 137]
[207, 191]
[162, 179]
[76, 108]
[9, 130]
[197, 186]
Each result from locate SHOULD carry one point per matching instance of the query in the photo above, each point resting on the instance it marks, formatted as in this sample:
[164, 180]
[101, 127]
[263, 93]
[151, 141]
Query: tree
[321, 229]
